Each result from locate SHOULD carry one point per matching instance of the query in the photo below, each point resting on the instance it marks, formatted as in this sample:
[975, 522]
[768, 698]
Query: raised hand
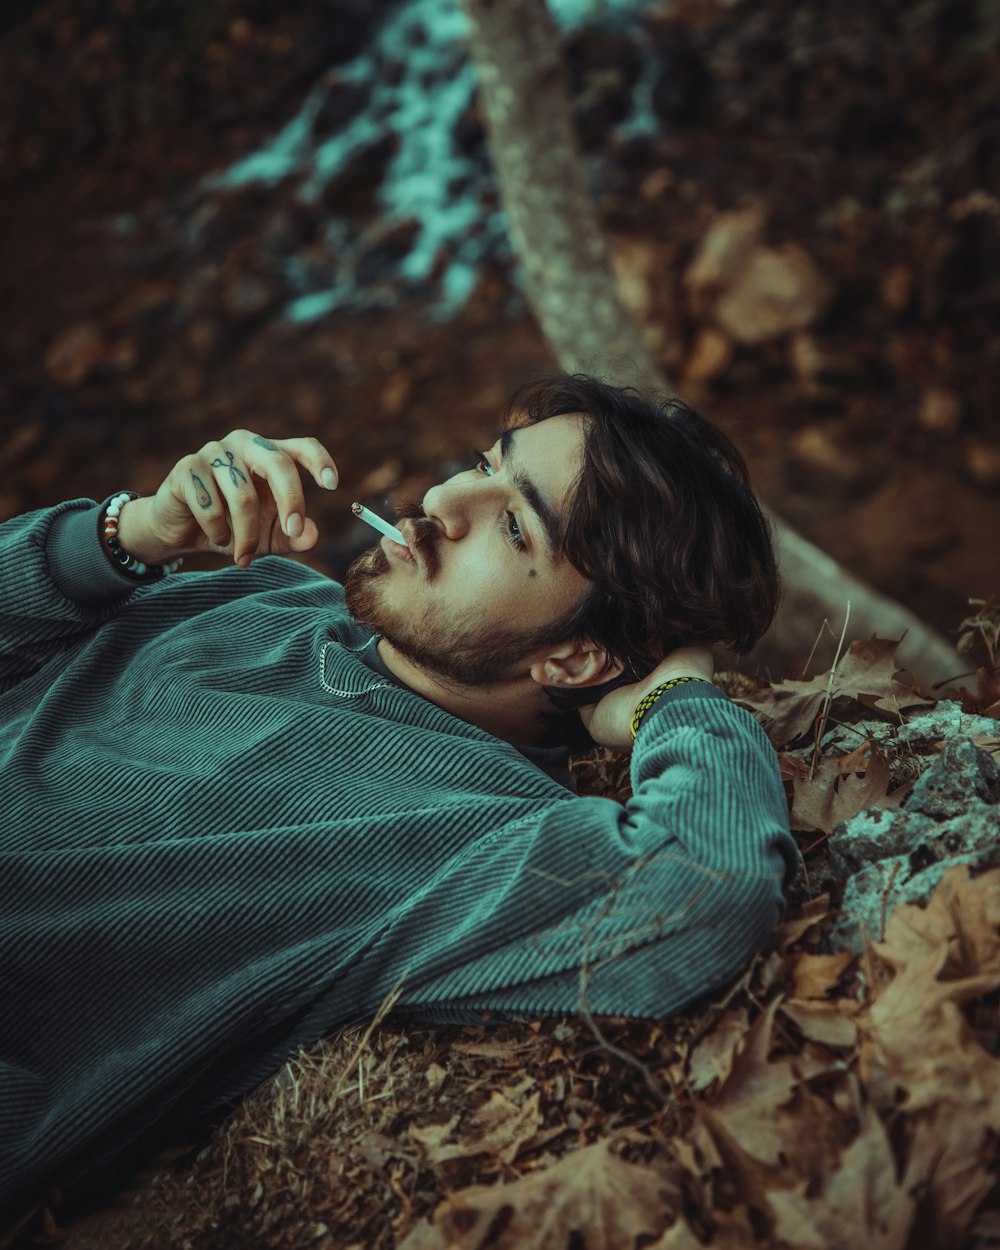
[241, 495]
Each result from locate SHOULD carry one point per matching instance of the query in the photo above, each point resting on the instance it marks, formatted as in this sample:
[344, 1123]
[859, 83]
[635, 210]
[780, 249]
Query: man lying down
[239, 807]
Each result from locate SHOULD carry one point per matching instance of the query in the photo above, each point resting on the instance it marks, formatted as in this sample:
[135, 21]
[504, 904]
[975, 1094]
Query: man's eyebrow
[550, 521]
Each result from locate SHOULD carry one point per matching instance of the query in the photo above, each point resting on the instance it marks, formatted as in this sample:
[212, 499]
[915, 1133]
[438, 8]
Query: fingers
[277, 461]
[219, 491]
[223, 485]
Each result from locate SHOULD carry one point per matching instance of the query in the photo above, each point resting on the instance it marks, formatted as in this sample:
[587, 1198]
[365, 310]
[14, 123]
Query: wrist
[136, 537]
[130, 563]
[663, 685]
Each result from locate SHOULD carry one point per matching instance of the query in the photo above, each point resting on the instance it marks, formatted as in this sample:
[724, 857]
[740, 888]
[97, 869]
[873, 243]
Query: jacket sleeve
[56, 585]
[681, 885]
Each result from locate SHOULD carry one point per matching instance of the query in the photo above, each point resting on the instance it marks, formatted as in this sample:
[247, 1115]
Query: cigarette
[369, 518]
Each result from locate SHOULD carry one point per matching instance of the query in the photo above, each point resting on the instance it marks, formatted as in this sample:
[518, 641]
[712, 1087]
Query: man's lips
[406, 528]
[405, 554]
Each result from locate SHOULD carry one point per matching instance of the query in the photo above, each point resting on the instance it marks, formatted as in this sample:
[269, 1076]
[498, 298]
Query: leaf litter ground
[827, 1099]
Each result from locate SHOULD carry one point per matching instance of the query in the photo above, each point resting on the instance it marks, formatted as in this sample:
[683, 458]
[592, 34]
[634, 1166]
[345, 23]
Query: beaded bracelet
[647, 701]
[107, 523]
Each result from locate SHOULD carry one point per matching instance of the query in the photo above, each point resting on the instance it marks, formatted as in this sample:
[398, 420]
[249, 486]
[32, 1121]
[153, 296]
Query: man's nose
[450, 506]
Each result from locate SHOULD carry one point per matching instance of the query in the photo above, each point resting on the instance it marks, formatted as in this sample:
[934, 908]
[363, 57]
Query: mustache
[424, 533]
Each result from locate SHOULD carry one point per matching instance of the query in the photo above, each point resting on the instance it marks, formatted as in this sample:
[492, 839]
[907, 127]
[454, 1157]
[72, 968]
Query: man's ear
[574, 666]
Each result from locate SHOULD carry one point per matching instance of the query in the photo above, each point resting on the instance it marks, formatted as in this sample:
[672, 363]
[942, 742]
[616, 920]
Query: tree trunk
[570, 286]
[550, 213]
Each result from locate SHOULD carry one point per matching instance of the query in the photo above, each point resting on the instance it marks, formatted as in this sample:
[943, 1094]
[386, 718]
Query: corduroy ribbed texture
[224, 835]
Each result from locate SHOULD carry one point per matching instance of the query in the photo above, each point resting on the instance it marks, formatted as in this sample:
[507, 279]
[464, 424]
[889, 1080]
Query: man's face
[476, 603]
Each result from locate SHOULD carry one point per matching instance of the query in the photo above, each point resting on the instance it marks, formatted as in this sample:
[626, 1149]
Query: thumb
[307, 539]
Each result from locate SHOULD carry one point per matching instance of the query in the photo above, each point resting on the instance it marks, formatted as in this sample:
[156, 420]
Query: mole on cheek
[532, 572]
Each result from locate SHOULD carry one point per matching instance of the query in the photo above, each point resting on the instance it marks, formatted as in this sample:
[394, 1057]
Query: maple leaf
[917, 1045]
[860, 1204]
[832, 794]
[768, 1125]
[499, 1127]
[590, 1192]
[986, 699]
[866, 672]
[713, 1058]
[815, 976]
[731, 1230]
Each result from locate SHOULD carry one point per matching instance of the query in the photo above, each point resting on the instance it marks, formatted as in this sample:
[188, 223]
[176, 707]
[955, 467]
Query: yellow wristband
[647, 701]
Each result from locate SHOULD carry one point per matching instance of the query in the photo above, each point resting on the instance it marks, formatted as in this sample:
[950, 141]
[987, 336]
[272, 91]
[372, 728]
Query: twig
[387, 1005]
[958, 676]
[805, 668]
[829, 693]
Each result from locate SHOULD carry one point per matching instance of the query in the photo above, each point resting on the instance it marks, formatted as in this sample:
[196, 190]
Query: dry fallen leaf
[499, 1128]
[732, 1230]
[816, 975]
[860, 1205]
[712, 1059]
[830, 796]
[766, 1110]
[919, 1053]
[591, 1193]
[830, 1023]
[865, 672]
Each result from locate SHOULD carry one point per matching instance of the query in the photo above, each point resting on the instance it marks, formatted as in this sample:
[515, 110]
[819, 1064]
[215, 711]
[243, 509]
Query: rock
[940, 411]
[876, 891]
[778, 291]
[944, 720]
[75, 353]
[951, 816]
[961, 772]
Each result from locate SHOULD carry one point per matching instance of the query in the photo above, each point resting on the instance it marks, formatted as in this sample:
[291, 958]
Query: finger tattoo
[202, 495]
[236, 474]
[262, 442]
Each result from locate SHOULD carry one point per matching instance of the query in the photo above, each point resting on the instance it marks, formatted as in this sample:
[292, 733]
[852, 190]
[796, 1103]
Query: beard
[457, 649]
[461, 652]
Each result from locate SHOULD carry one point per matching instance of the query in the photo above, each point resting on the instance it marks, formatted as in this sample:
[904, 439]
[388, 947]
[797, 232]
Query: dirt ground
[886, 453]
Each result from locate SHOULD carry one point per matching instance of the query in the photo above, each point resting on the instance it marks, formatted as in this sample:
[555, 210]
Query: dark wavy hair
[663, 524]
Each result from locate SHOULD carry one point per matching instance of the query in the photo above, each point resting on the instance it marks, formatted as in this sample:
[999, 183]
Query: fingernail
[244, 561]
[329, 479]
[293, 526]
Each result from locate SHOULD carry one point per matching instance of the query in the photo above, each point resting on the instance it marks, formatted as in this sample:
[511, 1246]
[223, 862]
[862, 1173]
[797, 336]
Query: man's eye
[507, 525]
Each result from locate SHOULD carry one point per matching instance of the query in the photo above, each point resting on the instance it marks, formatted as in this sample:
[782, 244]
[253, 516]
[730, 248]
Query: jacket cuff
[79, 568]
[687, 690]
